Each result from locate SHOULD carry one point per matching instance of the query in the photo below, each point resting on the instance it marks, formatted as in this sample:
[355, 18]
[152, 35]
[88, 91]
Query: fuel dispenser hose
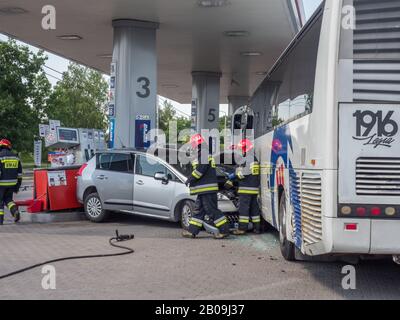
[111, 241]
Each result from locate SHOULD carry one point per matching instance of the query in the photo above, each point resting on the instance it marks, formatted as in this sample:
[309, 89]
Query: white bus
[327, 120]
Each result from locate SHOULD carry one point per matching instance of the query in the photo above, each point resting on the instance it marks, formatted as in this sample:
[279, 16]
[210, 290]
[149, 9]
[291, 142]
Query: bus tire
[287, 247]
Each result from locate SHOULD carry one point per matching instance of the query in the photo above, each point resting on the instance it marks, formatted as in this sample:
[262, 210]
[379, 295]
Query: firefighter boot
[188, 234]
[238, 232]
[15, 213]
[1, 219]
[17, 216]
[257, 228]
[223, 232]
[220, 236]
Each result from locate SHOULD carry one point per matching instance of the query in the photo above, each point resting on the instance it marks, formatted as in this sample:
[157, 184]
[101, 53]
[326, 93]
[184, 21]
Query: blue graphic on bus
[281, 143]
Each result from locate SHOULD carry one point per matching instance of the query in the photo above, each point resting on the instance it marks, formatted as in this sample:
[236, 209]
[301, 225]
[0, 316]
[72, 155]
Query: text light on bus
[351, 226]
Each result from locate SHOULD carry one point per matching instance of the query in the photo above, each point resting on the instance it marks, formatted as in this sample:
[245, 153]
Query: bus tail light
[369, 211]
[376, 211]
[361, 212]
[390, 211]
[346, 210]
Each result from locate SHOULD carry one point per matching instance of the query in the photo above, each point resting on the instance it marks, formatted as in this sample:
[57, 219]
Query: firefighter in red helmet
[248, 176]
[203, 183]
[10, 179]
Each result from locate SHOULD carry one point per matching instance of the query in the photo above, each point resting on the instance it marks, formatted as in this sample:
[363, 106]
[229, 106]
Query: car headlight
[222, 197]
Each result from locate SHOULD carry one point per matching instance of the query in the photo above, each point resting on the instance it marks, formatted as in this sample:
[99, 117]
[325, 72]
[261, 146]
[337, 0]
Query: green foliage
[277, 122]
[167, 114]
[225, 120]
[24, 90]
[79, 99]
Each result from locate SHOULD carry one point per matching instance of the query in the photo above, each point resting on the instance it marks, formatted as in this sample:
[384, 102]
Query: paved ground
[165, 266]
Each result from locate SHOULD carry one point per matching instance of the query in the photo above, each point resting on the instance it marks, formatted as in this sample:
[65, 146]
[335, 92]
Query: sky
[56, 65]
[310, 6]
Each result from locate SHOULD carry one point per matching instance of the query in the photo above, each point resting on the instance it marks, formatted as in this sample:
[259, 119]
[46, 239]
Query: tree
[224, 121]
[167, 114]
[24, 90]
[79, 99]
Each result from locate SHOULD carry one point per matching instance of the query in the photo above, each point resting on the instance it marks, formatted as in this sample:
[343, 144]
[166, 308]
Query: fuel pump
[242, 121]
[74, 146]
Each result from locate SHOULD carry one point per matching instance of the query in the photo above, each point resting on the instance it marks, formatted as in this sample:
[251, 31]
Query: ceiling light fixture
[105, 56]
[251, 54]
[170, 86]
[70, 37]
[12, 11]
[212, 3]
[261, 73]
[235, 34]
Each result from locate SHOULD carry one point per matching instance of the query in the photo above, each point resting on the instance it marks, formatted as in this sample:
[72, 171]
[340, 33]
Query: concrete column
[135, 62]
[205, 102]
[235, 102]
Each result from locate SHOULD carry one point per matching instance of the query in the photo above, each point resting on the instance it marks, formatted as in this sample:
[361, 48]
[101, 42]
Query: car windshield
[223, 170]
[185, 169]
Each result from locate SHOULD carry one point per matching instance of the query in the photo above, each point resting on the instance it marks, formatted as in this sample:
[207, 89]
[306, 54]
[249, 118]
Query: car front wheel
[94, 209]
[186, 213]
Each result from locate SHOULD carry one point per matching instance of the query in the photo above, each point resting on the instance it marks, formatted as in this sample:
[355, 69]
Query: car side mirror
[161, 177]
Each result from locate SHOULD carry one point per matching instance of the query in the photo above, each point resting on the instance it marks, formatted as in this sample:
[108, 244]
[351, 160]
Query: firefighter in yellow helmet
[10, 179]
[203, 183]
[248, 176]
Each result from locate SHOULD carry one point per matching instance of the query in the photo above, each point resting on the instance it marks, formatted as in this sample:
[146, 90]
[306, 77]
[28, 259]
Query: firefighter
[10, 179]
[203, 183]
[248, 176]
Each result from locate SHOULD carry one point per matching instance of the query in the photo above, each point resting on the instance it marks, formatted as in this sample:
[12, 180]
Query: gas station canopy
[239, 38]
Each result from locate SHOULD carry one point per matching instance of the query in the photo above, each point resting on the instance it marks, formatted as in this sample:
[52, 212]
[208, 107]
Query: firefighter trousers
[249, 210]
[6, 200]
[207, 205]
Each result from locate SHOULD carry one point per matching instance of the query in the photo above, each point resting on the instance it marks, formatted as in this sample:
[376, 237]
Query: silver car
[126, 181]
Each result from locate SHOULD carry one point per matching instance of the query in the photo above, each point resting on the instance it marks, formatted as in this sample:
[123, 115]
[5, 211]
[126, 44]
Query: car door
[114, 180]
[151, 196]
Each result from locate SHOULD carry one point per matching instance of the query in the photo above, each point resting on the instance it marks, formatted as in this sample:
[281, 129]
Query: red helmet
[5, 143]
[245, 145]
[196, 140]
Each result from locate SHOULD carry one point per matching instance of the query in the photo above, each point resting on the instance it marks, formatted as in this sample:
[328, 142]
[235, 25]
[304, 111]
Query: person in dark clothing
[248, 176]
[203, 183]
[10, 179]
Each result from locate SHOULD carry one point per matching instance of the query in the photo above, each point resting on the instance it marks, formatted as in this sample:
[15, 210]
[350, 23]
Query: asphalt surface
[166, 266]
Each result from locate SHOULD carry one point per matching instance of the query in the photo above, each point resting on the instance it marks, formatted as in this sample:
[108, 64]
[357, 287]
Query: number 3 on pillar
[145, 88]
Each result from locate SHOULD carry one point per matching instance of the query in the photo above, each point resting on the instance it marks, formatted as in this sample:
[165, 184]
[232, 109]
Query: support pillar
[135, 83]
[205, 102]
[235, 102]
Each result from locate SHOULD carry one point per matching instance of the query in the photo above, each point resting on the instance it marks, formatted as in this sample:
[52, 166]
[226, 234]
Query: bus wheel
[287, 247]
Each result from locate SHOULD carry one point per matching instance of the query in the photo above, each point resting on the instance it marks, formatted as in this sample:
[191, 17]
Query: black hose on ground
[117, 238]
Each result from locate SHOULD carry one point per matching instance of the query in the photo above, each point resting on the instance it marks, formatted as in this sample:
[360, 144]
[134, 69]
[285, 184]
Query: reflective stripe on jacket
[10, 169]
[249, 177]
[204, 177]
